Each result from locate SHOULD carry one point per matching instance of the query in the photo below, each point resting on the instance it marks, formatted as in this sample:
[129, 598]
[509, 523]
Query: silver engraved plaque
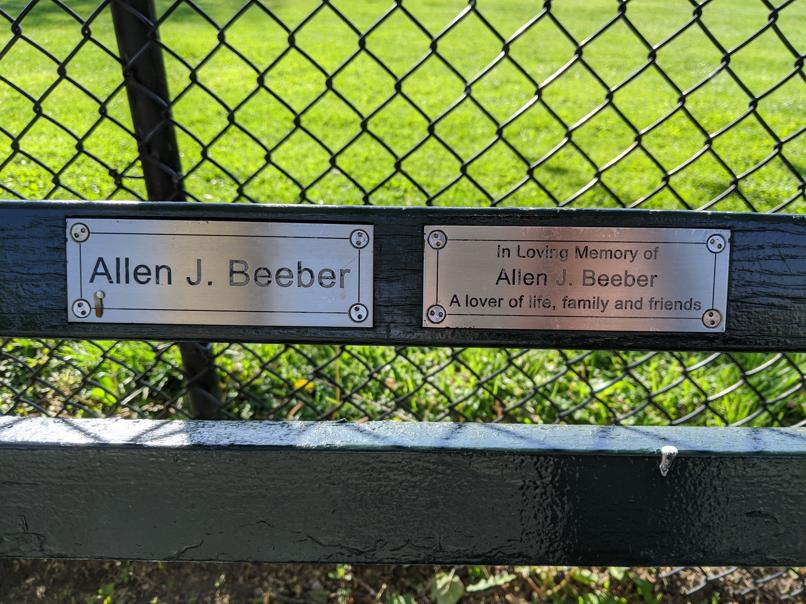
[219, 272]
[575, 278]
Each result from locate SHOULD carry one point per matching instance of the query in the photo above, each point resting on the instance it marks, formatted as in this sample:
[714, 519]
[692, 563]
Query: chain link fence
[641, 103]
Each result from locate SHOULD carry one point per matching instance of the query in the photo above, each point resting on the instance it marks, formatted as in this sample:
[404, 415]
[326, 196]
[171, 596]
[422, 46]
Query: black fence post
[135, 23]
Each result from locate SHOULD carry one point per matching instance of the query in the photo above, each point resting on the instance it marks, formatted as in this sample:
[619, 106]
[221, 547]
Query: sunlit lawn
[407, 121]
[498, 122]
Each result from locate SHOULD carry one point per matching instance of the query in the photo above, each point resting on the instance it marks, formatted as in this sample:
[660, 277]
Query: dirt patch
[179, 582]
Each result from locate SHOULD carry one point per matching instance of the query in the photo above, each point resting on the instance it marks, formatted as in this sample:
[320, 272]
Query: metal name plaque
[570, 278]
[219, 273]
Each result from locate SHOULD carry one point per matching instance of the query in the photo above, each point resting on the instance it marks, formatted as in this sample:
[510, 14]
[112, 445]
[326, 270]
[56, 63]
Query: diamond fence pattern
[638, 103]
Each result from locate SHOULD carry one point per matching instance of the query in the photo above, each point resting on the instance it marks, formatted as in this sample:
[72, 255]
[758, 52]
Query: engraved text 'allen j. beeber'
[219, 272]
[575, 278]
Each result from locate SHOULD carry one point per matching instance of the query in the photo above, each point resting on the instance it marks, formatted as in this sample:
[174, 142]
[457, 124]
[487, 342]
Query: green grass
[209, 83]
[360, 382]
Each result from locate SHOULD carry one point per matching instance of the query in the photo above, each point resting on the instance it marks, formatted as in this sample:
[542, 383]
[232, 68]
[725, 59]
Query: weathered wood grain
[405, 493]
[766, 290]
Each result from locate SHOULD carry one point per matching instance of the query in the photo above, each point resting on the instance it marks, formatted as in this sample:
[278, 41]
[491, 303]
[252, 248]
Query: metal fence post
[135, 23]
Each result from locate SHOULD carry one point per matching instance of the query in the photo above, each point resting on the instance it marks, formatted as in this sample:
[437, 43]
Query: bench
[396, 492]
[391, 492]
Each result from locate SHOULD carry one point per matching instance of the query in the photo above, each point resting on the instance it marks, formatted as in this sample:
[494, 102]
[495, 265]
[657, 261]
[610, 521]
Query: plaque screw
[716, 243]
[358, 313]
[437, 239]
[436, 313]
[99, 303]
[711, 318]
[359, 238]
[80, 232]
[81, 308]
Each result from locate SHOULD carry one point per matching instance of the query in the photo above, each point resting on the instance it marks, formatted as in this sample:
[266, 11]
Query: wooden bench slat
[405, 493]
[766, 288]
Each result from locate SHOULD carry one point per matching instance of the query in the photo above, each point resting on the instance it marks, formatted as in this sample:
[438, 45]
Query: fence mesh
[638, 103]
